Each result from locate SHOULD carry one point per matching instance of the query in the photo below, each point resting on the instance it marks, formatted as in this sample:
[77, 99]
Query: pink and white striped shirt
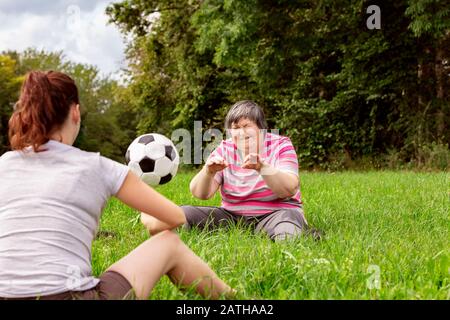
[244, 191]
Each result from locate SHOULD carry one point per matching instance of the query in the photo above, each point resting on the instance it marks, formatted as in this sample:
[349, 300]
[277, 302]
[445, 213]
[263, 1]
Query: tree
[107, 123]
[338, 89]
[430, 23]
[9, 88]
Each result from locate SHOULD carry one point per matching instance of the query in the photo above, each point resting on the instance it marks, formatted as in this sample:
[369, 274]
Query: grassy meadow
[387, 236]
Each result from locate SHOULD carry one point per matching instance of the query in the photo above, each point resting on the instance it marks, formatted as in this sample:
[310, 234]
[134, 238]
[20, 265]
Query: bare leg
[165, 254]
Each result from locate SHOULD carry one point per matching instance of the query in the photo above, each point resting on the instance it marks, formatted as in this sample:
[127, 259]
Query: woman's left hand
[253, 161]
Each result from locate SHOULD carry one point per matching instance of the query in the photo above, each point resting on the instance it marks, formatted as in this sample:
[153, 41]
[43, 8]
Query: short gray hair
[246, 109]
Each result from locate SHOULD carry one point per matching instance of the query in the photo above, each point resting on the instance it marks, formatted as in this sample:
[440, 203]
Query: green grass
[395, 221]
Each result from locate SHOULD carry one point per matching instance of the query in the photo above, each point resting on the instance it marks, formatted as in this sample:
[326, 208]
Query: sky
[77, 27]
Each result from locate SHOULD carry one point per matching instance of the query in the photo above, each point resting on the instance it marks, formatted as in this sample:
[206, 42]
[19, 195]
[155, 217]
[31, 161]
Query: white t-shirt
[50, 206]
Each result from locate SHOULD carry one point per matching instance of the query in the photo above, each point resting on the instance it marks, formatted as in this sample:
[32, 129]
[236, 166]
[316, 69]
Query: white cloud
[76, 27]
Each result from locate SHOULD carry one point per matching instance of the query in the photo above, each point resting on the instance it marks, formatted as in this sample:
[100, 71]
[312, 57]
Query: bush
[433, 156]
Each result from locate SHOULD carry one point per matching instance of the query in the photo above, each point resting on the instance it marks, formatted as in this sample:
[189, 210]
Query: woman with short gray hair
[257, 173]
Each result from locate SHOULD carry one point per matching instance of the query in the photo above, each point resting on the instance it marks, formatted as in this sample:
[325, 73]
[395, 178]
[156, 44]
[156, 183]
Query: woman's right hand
[215, 164]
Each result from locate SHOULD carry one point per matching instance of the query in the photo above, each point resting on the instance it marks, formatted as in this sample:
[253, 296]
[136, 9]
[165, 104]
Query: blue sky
[77, 27]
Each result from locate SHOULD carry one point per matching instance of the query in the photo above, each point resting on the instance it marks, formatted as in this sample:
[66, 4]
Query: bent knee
[295, 216]
[165, 237]
[166, 240]
[168, 236]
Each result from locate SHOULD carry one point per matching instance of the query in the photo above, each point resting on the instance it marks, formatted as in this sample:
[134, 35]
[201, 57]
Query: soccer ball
[153, 158]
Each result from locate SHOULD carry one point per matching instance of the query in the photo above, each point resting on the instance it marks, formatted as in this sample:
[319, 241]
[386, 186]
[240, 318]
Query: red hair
[43, 107]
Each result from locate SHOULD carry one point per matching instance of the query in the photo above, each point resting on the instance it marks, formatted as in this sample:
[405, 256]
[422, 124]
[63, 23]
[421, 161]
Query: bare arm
[283, 184]
[203, 185]
[140, 196]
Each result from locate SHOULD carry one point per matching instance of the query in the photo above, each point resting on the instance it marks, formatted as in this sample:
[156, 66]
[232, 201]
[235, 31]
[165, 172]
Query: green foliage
[9, 88]
[171, 85]
[435, 156]
[429, 17]
[340, 91]
[108, 125]
[335, 87]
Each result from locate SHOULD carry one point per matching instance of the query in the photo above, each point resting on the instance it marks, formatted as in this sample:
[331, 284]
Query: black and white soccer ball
[154, 158]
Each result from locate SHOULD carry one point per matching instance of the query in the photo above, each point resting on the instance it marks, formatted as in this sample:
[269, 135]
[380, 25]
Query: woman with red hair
[51, 198]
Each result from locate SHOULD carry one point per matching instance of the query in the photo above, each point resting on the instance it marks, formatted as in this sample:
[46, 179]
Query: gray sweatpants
[279, 224]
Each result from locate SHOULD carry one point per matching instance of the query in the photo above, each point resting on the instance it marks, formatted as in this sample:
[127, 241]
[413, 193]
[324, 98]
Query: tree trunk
[439, 76]
[421, 102]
